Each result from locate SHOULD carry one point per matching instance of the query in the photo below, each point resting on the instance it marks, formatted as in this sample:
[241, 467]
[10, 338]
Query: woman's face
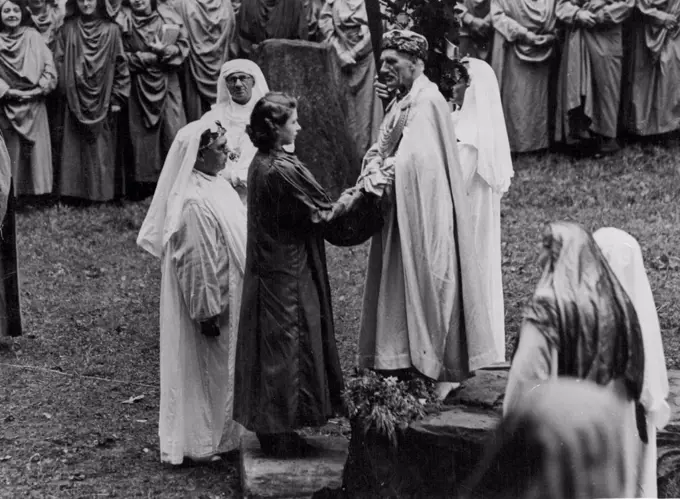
[289, 130]
[36, 5]
[10, 15]
[240, 86]
[87, 7]
[141, 6]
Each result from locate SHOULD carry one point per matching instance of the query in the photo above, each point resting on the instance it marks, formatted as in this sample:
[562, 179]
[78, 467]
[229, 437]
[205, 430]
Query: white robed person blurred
[241, 84]
[196, 225]
[487, 170]
[423, 309]
[624, 256]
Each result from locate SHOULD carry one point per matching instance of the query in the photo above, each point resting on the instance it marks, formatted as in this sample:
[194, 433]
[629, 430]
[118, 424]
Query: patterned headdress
[406, 41]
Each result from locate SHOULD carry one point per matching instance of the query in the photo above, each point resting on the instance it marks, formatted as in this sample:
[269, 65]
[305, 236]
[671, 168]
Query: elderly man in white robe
[196, 225]
[624, 256]
[241, 84]
[423, 308]
[487, 169]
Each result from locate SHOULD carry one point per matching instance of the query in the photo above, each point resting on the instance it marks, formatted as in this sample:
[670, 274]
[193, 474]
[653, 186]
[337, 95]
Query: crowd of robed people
[246, 322]
[579, 72]
[93, 92]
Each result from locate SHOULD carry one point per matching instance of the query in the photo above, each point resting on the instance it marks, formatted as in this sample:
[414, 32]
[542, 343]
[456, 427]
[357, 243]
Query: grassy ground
[90, 302]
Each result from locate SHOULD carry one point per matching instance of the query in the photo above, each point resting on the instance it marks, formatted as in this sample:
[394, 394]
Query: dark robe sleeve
[349, 221]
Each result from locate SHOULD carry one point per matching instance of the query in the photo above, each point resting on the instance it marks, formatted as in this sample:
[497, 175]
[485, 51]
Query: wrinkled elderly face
[11, 15]
[141, 6]
[87, 7]
[397, 70]
[240, 86]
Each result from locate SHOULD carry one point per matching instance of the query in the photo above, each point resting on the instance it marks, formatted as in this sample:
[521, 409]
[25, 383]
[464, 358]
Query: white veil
[624, 256]
[481, 124]
[163, 218]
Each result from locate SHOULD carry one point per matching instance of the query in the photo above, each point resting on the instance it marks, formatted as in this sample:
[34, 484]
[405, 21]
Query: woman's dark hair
[25, 13]
[275, 108]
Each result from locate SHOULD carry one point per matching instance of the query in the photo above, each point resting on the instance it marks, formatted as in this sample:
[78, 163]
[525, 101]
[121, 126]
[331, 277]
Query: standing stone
[306, 70]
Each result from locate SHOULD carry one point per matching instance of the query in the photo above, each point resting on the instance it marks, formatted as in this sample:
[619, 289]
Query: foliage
[438, 22]
[386, 404]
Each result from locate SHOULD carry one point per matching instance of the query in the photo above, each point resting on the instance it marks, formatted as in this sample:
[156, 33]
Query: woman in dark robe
[27, 76]
[10, 306]
[95, 83]
[48, 17]
[210, 27]
[581, 324]
[155, 110]
[287, 365]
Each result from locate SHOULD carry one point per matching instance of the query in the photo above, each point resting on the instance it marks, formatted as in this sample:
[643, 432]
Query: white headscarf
[164, 215]
[481, 124]
[226, 109]
[624, 256]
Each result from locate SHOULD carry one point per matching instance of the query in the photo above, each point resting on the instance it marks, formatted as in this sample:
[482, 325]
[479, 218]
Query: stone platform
[266, 477]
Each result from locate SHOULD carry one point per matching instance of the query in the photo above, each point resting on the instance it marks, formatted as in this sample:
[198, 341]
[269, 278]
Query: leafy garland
[386, 404]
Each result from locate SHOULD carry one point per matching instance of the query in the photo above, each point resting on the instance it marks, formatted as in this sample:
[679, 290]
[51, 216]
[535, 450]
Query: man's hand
[381, 89]
[586, 18]
[115, 108]
[210, 327]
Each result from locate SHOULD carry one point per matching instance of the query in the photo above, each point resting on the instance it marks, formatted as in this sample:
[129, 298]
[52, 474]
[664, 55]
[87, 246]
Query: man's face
[397, 71]
[240, 86]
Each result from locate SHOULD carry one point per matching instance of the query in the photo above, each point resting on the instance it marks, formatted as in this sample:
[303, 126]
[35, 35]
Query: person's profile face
[289, 130]
[10, 15]
[458, 91]
[396, 70]
[240, 86]
[87, 7]
[214, 157]
[141, 6]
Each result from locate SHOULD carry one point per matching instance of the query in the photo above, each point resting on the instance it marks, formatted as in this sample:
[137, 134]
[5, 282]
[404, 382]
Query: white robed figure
[624, 256]
[196, 225]
[423, 307]
[487, 169]
[240, 85]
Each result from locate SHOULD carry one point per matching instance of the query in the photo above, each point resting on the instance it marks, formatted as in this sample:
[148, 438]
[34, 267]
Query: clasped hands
[589, 19]
[538, 40]
[22, 95]
[161, 50]
[378, 176]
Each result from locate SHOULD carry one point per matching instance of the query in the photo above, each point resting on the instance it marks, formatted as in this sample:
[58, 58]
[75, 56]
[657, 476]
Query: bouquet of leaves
[386, 404]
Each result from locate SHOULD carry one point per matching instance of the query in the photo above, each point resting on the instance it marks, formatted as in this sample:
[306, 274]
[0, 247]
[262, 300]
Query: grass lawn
[90, 304]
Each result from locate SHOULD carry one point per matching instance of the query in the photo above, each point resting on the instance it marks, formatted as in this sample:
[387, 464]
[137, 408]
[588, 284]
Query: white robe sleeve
[197, 262]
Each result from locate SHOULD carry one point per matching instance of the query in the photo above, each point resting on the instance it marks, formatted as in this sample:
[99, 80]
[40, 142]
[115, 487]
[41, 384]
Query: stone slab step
[266, 477]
